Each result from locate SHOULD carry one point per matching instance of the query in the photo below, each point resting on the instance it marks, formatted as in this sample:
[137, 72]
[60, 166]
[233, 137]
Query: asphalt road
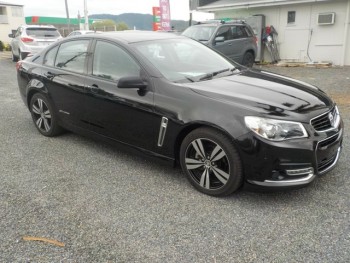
[108, 205]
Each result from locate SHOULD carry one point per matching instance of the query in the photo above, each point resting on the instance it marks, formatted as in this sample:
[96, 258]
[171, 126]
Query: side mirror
[11, 36]
[219, 39]
[132, 83]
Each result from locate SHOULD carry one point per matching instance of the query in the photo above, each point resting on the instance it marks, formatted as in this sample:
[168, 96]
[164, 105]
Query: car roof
[36, 26]
[133, 36]
[83, 31]
[220, 23]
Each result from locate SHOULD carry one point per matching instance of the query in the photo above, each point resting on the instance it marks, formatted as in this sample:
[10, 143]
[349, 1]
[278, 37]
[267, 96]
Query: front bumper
[307, 176]
[290, 163]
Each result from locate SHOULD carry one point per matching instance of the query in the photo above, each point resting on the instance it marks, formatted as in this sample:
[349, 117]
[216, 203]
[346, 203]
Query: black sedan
[177, 99]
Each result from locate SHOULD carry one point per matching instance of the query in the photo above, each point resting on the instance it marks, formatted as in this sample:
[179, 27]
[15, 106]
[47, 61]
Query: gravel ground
[108, 205]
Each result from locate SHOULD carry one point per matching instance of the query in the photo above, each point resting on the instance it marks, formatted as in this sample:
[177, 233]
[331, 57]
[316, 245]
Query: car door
[64, 71]
[126, 115]
[240, 42]
[233, 43]
[225, 44]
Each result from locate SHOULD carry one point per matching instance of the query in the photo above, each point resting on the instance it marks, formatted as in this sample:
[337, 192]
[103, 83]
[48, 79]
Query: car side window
[112, 62]
[238, 32]
[224, 32]
[50, 56]
[248, 31]
[71, 55]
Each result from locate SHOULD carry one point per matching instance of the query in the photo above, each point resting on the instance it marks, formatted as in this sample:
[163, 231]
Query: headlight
[275, 130]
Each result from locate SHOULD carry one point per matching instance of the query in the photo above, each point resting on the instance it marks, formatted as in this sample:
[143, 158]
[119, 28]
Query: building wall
[11, 18]
[326, 41]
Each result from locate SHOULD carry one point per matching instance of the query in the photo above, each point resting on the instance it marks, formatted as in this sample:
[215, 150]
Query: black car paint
[132, 117]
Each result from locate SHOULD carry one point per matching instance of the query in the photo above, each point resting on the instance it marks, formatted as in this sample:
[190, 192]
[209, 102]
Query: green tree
[109, 25]
[122, 26]
[104, 23]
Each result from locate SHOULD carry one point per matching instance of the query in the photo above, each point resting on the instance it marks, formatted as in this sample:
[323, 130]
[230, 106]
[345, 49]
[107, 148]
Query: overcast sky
[179, 8]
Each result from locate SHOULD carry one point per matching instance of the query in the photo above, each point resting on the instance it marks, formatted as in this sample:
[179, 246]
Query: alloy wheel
[41, 115]
[207, 163]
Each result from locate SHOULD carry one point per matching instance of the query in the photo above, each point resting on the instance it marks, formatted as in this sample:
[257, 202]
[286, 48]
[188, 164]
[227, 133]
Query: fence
[65, 31]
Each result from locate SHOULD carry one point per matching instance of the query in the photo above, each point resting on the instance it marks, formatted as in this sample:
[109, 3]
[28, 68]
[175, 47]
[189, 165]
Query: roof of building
[237, 4]
[8, 4]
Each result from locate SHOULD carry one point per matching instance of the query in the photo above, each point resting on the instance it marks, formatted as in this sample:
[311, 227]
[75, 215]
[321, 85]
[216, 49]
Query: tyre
[14, 58]
[211, 162]
[22, 55]
[248, 59]
[43, 115]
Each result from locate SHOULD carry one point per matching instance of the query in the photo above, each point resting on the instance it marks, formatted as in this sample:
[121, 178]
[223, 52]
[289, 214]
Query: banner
[156, 18]
[165, 14]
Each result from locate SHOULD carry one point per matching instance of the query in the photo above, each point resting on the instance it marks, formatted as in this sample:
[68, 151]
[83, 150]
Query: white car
[80, 32]
[31, 39]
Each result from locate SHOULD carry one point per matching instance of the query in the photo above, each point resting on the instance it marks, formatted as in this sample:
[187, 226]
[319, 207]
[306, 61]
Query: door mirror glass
[219, 39]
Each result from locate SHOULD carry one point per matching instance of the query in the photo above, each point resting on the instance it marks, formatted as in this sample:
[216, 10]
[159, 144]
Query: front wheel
[211, 162]
[43, 116]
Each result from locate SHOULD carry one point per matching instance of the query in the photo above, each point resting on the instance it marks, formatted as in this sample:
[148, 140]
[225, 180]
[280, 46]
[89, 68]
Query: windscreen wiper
[213, 74]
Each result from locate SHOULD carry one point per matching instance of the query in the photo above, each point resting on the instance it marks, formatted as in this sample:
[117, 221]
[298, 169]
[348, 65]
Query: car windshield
[185, 60]
[37, 32]
[200, 33]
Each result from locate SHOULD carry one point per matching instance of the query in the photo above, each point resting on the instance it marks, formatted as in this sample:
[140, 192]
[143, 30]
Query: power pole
[86, 25]
[67, 13]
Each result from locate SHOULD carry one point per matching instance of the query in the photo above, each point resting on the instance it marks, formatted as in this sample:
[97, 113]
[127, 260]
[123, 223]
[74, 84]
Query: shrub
[2, 46]
[7, 47]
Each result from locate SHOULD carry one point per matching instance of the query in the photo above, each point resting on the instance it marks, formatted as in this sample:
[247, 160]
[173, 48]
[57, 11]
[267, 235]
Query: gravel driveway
[106, 204]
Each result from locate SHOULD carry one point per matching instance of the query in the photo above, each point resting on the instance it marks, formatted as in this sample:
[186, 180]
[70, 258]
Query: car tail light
[256, 39]
[27, 39]
[18, 65]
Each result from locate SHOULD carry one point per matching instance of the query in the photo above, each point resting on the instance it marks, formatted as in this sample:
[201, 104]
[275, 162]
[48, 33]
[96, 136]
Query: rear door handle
[93, 88]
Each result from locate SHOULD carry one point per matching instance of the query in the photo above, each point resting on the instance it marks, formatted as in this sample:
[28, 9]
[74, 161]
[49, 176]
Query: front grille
[326, 163]
[323, 122]
[328, 141]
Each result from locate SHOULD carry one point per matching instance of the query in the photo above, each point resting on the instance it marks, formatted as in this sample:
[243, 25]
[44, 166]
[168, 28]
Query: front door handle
[50, 75]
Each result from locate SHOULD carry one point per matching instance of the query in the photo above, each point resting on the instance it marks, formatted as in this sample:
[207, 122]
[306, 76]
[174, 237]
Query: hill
[139, 21]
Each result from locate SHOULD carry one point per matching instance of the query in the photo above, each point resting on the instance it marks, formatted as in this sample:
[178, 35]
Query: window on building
[17, 11]
[2, 10]
[291, 17]
[3, 15]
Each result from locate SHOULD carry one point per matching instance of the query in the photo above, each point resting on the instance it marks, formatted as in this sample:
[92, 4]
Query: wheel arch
[191, 127]
[250, 51]
[35, 86]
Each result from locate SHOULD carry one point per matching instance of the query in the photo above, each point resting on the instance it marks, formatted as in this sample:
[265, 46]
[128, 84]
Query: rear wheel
[211, 162]
[248, 59]
[43, 116]
[14, 58]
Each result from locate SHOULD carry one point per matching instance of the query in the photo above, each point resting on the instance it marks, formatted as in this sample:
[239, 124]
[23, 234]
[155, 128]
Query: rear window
[42, 32]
